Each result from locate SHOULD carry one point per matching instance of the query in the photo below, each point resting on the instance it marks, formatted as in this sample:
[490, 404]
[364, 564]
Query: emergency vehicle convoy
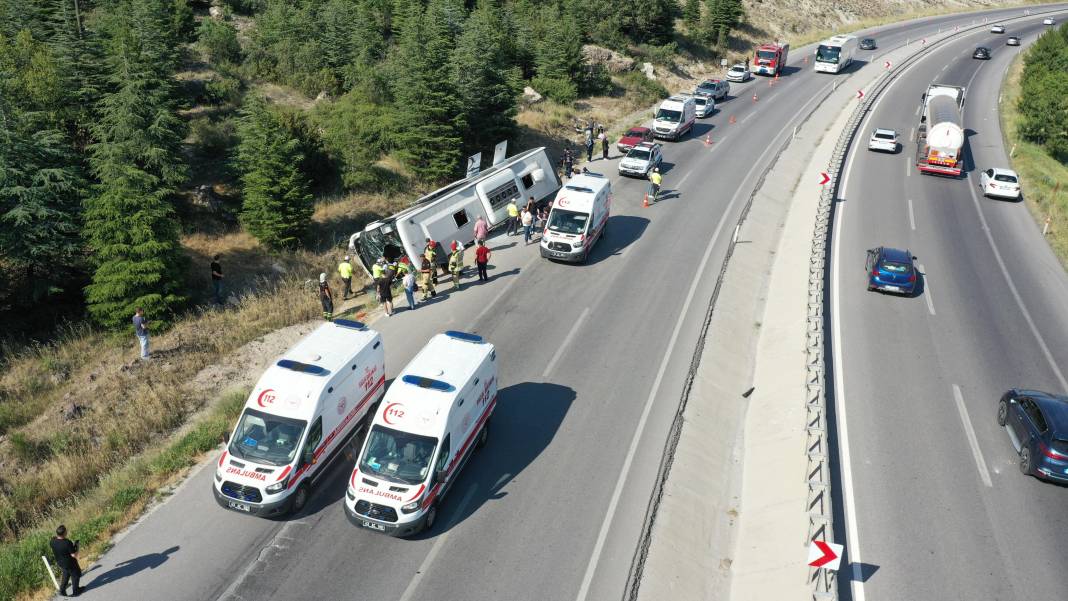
[940, 136]
[435, 414]
[578, 218]
[302, 411]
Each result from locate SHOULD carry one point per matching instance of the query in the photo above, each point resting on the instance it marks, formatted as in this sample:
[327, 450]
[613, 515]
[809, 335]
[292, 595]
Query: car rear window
[884, 136]
[1001, 177]
[895, 267]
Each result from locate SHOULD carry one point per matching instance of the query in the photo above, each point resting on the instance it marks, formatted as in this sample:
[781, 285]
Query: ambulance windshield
[567, 222]
[398, 456]
[266, 438]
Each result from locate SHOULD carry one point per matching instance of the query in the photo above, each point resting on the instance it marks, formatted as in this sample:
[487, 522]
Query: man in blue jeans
[141, 330]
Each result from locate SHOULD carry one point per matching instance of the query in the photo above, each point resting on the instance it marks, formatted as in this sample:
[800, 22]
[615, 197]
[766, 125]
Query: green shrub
[218, 39]
[559, 89]
[645, 90]
[661, 55]
[212, 138]
[223, 90]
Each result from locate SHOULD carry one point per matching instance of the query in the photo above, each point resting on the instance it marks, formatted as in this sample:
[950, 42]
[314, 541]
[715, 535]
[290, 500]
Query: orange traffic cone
[708, 140]
[732, 120]
[645, 201]
[754, 98]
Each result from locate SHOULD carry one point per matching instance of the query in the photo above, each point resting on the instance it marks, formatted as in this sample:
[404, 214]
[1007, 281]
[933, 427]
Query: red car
[633, 137]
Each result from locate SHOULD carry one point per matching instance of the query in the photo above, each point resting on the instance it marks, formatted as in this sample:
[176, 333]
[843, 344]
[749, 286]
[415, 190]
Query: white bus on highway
[834, 55]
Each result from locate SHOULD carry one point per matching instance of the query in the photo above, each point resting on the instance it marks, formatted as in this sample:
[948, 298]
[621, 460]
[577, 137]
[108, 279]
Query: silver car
[706, 105]
[641, 159]
[739, 73]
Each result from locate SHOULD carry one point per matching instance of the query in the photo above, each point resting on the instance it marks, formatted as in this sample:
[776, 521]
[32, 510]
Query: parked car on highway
[633, 137]
[981, 53]
[1047, 21]
[641, 159]
[891, 270]
[1003, 183]
[715, 88]
[883, 139]
[867, 44]
[739, 72]
[1012, 41]
[1037, 424]
[997, 29]
[706, 105]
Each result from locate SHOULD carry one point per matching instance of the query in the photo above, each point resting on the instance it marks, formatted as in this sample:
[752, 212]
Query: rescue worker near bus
[426, 280]
[378, 268]
[429, 255]
[456, 263]
[513, 218]
[344, 269]
[326, 297]
[654, 183]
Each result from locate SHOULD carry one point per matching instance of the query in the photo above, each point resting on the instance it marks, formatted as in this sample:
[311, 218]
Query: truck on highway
[940, 136]
[770, 59]
[450, 212]
[835, 54]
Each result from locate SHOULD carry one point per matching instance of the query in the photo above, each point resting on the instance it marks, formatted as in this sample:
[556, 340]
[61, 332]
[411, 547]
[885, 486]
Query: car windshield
[640, 154]
[884, 135]
[893, 267]
[668, 115]
[567, 222]
[266, 438]
[737, 69]
[397, 456]
[634, 133]
[706, 86]
[1002, 177]
[700, 100]
[828, 54]
[766, 54]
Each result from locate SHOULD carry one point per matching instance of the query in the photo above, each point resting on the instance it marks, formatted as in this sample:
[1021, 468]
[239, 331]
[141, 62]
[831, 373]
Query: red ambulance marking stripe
[416, 495]
[223, 458]
[283, 474]
[352, 480]
[455, 460]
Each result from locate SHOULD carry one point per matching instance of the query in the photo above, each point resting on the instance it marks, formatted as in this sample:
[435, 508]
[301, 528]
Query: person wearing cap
[326, 297]
[430, 254]
[426, 280]
[344, 269]
[654, 183]
[456, 263]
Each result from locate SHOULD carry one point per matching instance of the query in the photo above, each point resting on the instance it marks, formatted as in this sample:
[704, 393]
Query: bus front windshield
[828, 54]
[567, 222]
[265, 438]
[397, 456]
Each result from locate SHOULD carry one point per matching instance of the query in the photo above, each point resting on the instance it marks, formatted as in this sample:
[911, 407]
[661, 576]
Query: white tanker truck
[940, 137]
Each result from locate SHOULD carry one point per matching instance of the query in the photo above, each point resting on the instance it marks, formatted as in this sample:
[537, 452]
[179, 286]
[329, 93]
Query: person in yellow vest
[426, 279]
[430, 255]
[654, 183]
[378, 269]
[344, 269]
[513, 218]
[456, 263]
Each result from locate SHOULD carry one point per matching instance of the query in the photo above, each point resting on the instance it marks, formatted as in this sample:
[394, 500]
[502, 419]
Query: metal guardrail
[819, 505]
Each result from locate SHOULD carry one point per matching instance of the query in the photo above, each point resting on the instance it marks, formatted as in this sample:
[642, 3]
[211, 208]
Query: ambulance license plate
[374, 526]
[557, 253]
[239, 506]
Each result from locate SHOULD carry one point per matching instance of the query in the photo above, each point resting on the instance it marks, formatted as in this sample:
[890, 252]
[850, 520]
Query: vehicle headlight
[218, 475]
[278, 487]
[578, 243]
[413, 506]
[350, 494]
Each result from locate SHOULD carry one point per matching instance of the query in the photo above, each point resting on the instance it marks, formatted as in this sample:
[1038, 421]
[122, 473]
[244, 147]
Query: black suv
[867, 44]
[981, 53]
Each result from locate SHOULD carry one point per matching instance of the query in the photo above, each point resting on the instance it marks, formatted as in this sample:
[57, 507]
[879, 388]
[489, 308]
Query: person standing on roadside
[426, 279]
[344, 269]
[589, 143]
[216, 279]
[326, 297]
[604, 144]
[482, 257]
[528, 224]
[385, 288]
[513, 218]
[569, 163]
[409, 287]
[456, 263]
[430, 256]
[140, 324]
[66, 554]
[481, 229]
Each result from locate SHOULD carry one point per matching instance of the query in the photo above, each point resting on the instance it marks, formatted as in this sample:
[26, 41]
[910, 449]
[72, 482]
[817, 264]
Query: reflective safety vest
[376, 271]
[656, 178]
[513, 210]
[456, 260]
[345, 269]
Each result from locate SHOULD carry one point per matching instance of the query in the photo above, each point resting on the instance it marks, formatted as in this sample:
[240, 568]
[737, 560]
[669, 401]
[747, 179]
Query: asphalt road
[933, 496]
[592, 363]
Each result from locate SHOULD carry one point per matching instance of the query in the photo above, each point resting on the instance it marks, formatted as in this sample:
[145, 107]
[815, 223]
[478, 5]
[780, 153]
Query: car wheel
[300, 498]
[1003, 412]
[1026, 462]
[483, 436]
[431, 517]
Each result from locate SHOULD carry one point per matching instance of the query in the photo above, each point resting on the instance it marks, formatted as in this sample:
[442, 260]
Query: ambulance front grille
[241, 492]
[560, 246]
[378, 512]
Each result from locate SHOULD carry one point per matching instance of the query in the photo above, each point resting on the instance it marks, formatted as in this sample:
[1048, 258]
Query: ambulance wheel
[483, 435]
[300, 498]
[431, 517]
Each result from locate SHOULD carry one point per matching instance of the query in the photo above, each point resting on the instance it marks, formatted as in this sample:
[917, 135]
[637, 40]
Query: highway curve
[592, 363]
[939, 508]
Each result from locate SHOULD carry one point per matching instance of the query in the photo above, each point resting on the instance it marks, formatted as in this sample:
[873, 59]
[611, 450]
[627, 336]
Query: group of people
[601, 137]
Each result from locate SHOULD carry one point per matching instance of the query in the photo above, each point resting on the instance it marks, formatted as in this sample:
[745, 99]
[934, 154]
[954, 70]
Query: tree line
[92, 160]
[1043, 99]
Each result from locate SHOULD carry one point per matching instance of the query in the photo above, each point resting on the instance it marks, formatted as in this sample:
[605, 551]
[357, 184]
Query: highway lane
[530, 517]
[940, 508]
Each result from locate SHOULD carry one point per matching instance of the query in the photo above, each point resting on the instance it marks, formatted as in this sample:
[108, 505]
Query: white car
[1012, 41]
[739, 72]
[883, 139]
[1047, 21]
[997, 29]
[1003, 183]
[706, 105]
[641, 159]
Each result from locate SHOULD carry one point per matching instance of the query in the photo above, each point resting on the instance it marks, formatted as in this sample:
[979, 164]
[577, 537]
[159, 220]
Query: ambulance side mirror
[226, 437]
[439, 477]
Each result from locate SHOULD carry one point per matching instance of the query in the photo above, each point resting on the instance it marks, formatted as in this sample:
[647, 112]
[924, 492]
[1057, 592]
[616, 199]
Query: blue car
[1037, 423]
[891, 270]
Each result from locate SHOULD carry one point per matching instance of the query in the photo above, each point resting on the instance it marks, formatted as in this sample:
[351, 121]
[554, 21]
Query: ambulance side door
[315, 436]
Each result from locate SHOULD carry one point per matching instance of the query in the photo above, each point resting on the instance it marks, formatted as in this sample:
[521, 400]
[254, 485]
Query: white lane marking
[438, 544]
[917, 111]
[746, 118]
[908, 168]
[563, 345]
[678, 186]
[912, 217]
[501, 294]
[927, 290]
[1015, 293]
[980, 463]
[912, 134]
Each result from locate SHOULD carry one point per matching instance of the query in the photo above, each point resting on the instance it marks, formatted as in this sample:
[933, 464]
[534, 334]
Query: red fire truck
[770, 59]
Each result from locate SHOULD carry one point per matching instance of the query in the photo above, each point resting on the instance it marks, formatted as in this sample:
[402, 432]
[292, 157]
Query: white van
[301, 413]
[578, 217]
[433, 417]
[675, 117]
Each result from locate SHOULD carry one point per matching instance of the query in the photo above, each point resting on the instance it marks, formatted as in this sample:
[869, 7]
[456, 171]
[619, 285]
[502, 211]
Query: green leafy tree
[276, 202]
[219, 41]
[1043, 101]
[357, 130]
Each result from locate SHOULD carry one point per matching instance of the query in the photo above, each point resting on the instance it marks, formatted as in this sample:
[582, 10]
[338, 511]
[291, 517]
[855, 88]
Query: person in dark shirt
[66, 554]
[216, 279]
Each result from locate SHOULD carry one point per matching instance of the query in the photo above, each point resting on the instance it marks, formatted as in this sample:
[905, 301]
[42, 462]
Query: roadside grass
[1043, 179]
[118, 499]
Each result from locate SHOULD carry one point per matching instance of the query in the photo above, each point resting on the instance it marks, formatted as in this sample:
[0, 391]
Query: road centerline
[927, 289]
[969, 432]
[912, 216]
[563, 345]
[438, 544]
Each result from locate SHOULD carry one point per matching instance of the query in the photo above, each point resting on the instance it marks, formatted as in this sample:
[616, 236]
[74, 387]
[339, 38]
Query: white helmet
[322, 277]
[346, 258]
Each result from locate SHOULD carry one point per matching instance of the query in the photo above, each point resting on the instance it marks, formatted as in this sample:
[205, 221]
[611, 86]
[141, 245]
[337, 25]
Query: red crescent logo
[266, 397]
[395, 410]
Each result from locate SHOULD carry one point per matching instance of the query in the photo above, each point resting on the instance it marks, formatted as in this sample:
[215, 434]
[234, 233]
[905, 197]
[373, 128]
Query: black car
[1037, 423]
[981, 53]
[867, 44]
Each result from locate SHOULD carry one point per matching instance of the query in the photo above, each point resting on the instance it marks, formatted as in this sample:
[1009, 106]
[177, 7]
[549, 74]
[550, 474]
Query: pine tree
[691, 13]
[721, 17]
[487, 85]
[431, 121]
[559, 56]
[276, 204]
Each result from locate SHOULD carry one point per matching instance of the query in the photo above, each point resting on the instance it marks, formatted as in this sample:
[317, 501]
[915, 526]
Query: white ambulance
[433, 417]
[578, 217]
[302, 411]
